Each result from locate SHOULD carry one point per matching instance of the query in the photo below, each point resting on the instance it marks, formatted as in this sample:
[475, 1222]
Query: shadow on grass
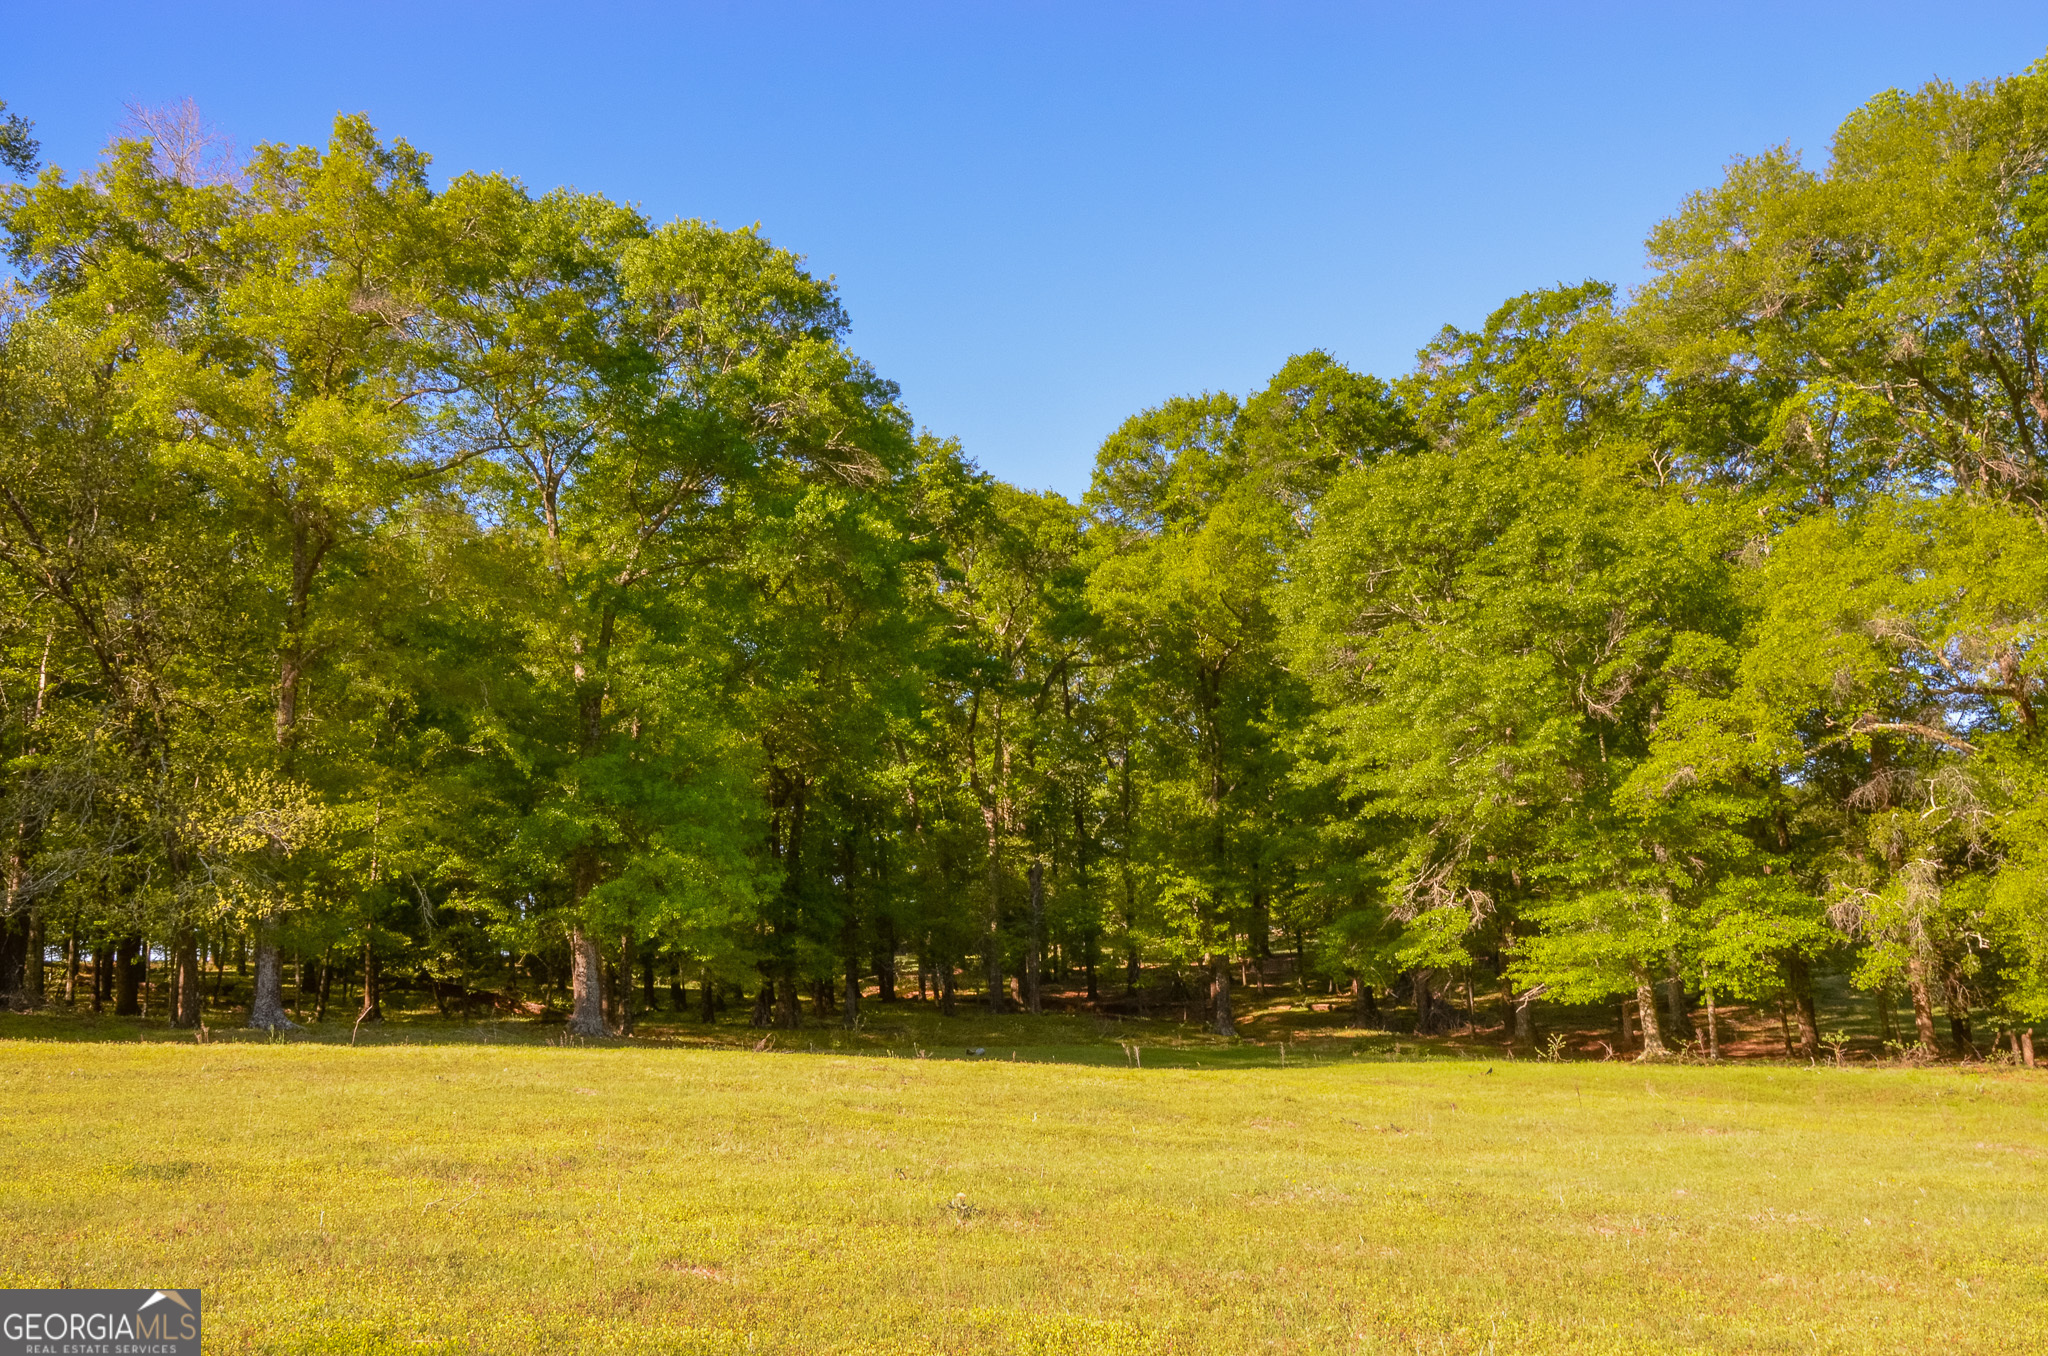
[1275, 1030]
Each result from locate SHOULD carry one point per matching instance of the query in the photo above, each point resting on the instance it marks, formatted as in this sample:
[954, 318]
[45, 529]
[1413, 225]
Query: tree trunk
[1959, 1032]
[707, 1005]
[1646, 1011]
[1713, 1025]
[128, 977]
[72, 951]
[372, 1009]
[102, 985]
[1955, 995]
[885, 961]
[1034, 976]
[326, 983]
[1923, 1008]
[764, 1005]
[849, 1015]
[586, 987]
[1525, 1021]
[185, 962]
[1425, 1001]
[992, 964]
[624, 1025]
[1799, 978]
[1219, 995]
[13, 956]
[32, 979]
[1674, 1002]
[2027, 1046]
[992, 944]
[266, 1009]
[677, 998]
[948, 1006]
[789, 1010]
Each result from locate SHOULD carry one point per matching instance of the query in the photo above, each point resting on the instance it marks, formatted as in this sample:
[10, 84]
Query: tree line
[504, 594]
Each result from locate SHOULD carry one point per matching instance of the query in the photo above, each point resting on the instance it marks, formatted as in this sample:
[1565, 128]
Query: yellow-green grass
[520, 1198]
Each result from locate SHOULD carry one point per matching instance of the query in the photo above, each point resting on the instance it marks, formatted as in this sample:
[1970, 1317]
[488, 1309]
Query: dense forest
[503, 597]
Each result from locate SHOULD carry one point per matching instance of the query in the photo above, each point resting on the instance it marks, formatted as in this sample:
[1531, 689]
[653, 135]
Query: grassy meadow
[451, 1188]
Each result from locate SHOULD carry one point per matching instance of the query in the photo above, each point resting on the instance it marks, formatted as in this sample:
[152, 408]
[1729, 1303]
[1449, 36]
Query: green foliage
[19, 150]
[537, 597]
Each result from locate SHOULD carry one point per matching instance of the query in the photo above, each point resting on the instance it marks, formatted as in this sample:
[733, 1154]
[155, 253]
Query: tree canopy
[505, 595]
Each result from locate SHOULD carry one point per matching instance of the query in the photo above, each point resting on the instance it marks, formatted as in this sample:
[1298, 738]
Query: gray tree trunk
[1923, 1008]
[586, 987]
[624, 1024]
[266, 1012]
[373, 983]
[1034, 966]
[185, 987]
[1674, 1002]
[1525, 1022]
[1713, 1025]
[32, 963]
[885, 961]
[128, 957]
[1425, 1002]
[789, 1007]
[993, 964]
[1646, 1011]
[1800, 980]
[1219, 995]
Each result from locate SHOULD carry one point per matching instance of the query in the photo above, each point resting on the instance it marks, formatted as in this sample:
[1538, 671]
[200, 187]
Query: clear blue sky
[1045, 217]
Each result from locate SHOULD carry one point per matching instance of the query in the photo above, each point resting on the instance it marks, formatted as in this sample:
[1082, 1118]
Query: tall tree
[636, 397]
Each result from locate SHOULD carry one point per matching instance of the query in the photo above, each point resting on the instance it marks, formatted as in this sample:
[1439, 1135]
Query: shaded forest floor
[513, 1199]
[1278, 1024]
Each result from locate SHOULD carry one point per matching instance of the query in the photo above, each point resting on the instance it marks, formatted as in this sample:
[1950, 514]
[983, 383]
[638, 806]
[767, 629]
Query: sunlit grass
[517, 1198]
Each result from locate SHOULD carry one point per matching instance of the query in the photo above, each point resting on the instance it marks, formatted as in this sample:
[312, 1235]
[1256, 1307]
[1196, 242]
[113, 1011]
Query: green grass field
[478, 1191]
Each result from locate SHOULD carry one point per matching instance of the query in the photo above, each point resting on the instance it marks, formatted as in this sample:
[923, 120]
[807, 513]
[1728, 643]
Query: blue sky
[1045, 217]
